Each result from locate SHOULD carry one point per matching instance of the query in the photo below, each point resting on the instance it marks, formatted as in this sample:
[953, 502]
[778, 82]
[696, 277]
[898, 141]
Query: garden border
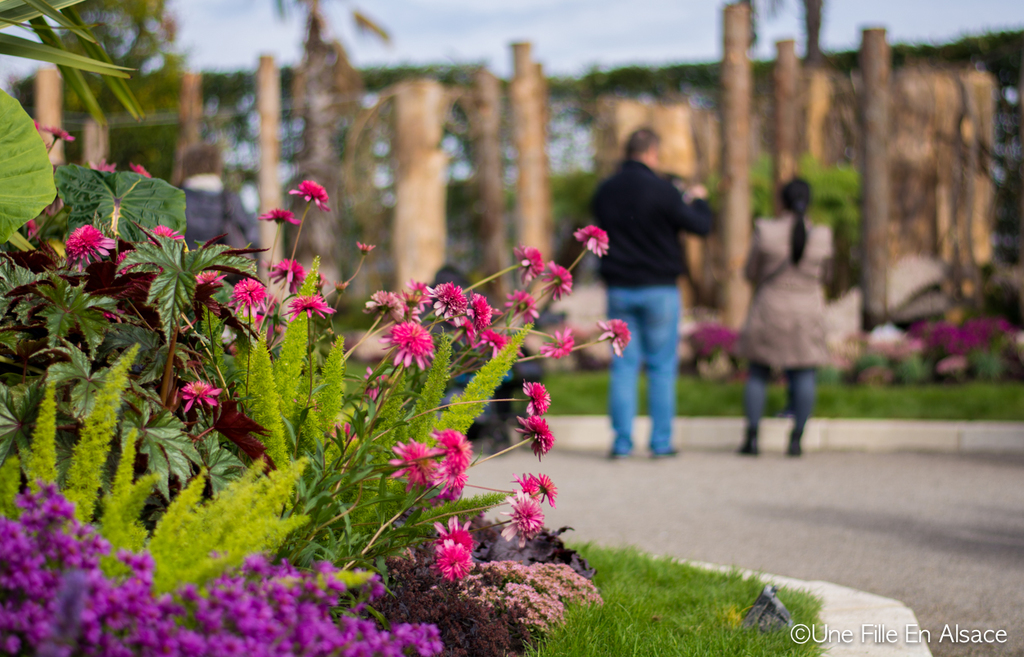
[844, 608]
[594, 433]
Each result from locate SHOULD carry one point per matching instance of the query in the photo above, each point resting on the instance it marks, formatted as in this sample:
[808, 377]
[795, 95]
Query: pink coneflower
[595, 239]
[57, 133]
[167, 231]
[456, 447]
[480, 312]
[539, 486]
[32, 228]
[617, 331]
[413, 342]
[365, 248]
[386, 302]
[417, 463]
[279, 216]
[522, 303]
[452, 478]
[139, 169]
[536, 429]
[248, 294]
[531, 262]
[560, 279]
[309, 304]
[314, 192]
[210, 277]
[290, 272]
[449, 301]
[103, 165]
[453, 560]
[527, 518]
[87, 243]
[199, 392]
[496, 341]
[560, 346]
[540, 399]
[454, 532]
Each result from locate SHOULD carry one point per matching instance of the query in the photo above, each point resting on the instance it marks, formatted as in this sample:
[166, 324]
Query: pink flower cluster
[418, 464]
[87, 243]
[453, 551]
[542, 589]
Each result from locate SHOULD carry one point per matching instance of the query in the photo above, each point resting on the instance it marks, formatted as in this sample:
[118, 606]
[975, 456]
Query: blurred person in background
[643, 215]
[210, 209]
[785, 326]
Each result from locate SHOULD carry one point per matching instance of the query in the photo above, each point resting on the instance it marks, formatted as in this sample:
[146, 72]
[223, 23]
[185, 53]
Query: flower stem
[248, 354]
[504, 451]
[273, 249]
[492, 277]
[301, 222]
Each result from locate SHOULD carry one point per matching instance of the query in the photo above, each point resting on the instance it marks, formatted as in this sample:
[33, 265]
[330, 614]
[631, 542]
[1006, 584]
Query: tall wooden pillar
[95, 142]
[875, 63]
[487, 155]
[50, 108]
[268, 102]
[735, 220]
[190, 114]
[786, 74]
[529, 108]
[420, 233]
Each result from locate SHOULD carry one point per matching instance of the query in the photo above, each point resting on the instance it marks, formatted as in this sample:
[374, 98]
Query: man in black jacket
[643, 215]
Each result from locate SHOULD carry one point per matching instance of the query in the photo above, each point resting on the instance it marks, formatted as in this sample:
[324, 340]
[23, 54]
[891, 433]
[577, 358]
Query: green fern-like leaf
[10, 481]
[83, 480]
[265, 405]
[194, 542]
[122, 507]
[288, 368]
[460, 417]
[433, 391]
[331, 396]
[391, 415]
[41, 464]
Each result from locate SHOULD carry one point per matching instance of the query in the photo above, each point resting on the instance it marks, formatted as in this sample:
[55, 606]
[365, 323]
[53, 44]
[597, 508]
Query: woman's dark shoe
[749, 447]
[794, 445]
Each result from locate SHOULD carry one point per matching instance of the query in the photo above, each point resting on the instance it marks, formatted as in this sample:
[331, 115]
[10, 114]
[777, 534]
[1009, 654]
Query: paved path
[942, 533]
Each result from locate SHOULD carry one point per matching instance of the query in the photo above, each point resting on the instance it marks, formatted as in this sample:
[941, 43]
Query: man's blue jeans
[652, 314]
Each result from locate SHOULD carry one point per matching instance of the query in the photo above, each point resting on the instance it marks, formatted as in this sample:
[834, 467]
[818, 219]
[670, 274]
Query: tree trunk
[812, 22]
[95, 142]
[532, 187]
[487, 154]
[50, 108]
[737, 85]
[875, 61]
[268, 101]
[190, 115]
[787, 72]
[1020, 139]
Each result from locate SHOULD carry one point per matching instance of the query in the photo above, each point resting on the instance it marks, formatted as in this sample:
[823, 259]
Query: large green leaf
[18, 409]
[26, 176]
[117, 201]
[73, 308]
[85, 383]
[168, 449]
[18, 47]
[17, 11]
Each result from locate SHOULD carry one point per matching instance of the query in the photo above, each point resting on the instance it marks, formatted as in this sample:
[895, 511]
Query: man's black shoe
[618, 456]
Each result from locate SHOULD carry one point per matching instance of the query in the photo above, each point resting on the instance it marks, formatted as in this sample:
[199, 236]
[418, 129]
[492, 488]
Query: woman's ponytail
[796, 197]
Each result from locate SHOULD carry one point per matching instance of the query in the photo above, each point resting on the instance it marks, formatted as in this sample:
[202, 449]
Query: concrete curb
[593, 433]
[865, 616]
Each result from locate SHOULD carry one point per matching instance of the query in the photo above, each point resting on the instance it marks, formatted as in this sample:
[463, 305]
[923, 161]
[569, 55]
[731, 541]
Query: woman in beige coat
[785, 327]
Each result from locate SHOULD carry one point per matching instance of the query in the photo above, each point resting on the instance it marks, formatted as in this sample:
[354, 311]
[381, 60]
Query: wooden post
[735, 219]
[875, 62]
[95, 142]
[420, 232]
[786, 74]
[487, 153]
[533, 221]
[190, 113]
[50, 108]
[268, 102]
[1020, 138]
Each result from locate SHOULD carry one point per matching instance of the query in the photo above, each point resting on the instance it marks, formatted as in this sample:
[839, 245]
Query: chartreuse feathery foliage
[41, 464]
[289, 365]
[390, 415]
[10, 482]
[327, 400]
[265, 405]
[433, 392]
[122, 507]
[194, 542]
[481, 388]
[89, 455]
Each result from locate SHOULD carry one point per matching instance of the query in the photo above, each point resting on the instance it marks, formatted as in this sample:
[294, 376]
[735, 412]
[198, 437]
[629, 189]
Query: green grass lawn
[658, 608]
[586, 393]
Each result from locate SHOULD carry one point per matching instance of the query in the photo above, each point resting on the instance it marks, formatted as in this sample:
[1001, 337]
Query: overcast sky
[569, 36]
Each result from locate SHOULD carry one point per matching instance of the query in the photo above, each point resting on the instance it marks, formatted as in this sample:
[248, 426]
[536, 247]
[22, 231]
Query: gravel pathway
[944, 534]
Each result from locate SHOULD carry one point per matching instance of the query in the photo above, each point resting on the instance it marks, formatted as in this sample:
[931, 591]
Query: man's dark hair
[201, 158]
[640, 142]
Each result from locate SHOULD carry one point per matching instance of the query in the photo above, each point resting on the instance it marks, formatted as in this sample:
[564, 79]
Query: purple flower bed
[708, 339]
[56, 600]
[943, 339]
